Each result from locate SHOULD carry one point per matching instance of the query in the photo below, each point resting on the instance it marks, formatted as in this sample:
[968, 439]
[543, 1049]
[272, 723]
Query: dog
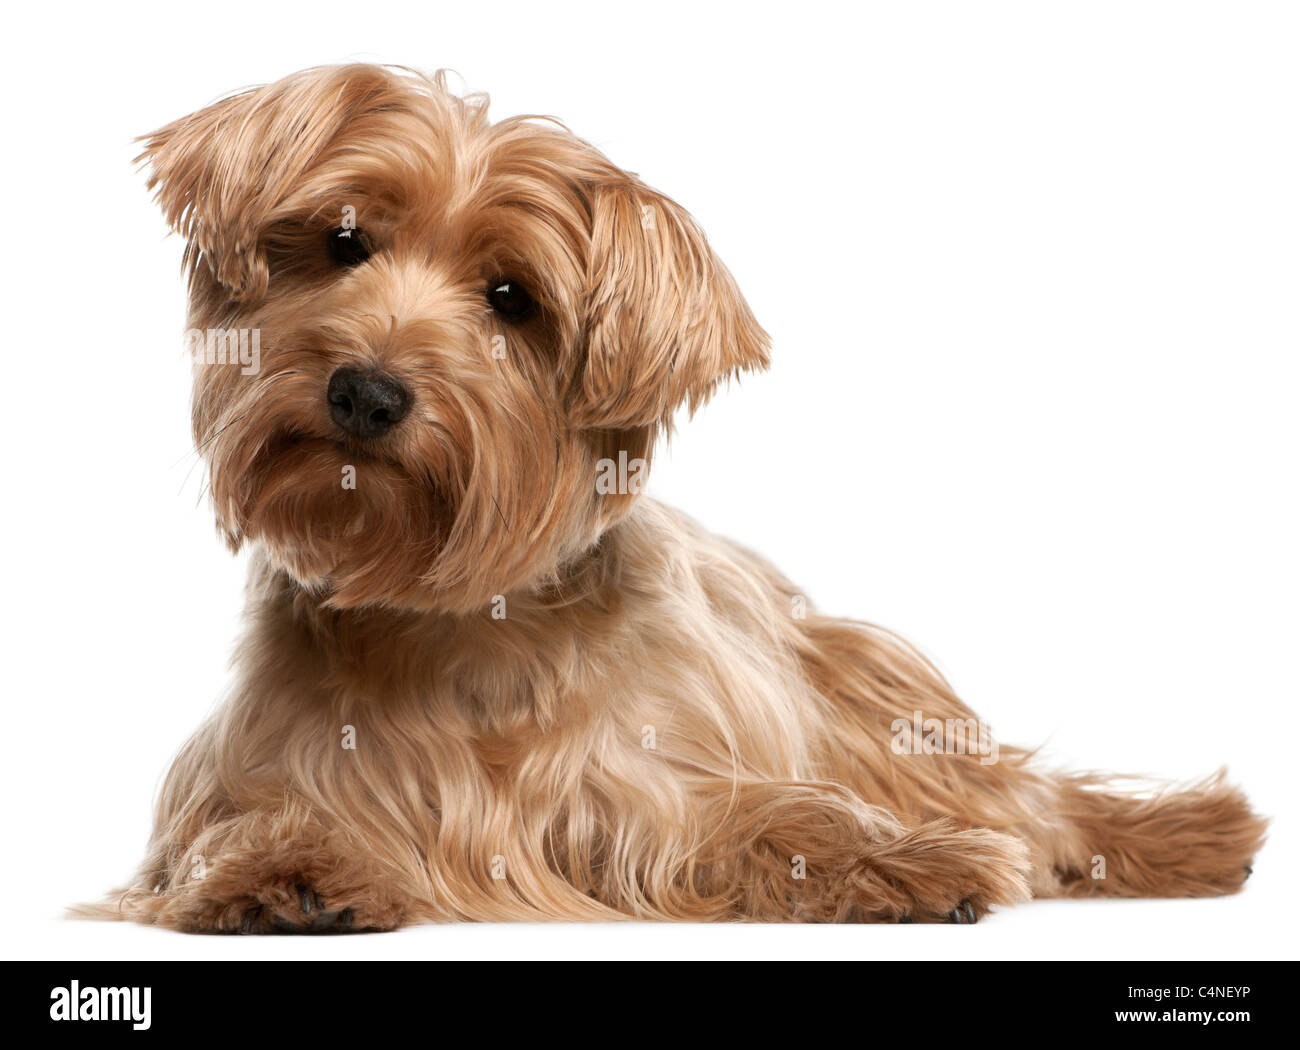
[485, 677]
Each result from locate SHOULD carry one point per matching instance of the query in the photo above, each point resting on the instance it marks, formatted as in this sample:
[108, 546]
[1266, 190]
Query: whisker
[502, 516]
[212, 437]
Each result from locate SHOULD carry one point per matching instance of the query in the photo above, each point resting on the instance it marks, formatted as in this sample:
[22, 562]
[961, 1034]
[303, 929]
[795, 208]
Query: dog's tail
[1195, 840]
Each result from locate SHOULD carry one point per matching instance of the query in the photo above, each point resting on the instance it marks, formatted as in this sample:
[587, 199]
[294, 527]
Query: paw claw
[963, 914]
[324, 921]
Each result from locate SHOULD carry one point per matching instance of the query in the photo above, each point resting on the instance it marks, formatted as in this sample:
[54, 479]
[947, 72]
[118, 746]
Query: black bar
[477, 1003]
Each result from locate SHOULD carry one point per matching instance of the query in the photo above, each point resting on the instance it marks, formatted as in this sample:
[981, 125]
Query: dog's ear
[664, 321]
[221, 173]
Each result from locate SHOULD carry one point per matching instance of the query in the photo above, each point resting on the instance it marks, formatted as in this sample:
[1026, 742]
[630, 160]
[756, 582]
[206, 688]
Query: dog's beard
[481, 492]
[358, 527]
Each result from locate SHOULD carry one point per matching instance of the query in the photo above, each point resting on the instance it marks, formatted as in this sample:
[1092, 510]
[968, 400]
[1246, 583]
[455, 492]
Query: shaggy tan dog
[483, 678]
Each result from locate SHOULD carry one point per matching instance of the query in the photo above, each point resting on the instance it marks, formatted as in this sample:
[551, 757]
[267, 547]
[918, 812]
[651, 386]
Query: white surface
[1031, 274]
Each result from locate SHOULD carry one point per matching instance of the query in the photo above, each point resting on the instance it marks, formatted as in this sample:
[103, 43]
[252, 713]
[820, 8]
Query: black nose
[367, 403]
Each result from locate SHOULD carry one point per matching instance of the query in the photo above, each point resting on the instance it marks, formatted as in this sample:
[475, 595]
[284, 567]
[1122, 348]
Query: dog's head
[460, 339]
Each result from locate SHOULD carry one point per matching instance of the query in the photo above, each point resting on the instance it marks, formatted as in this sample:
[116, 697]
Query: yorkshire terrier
[484, 677]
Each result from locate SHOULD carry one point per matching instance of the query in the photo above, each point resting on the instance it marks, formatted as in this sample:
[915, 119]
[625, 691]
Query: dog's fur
[652, 730]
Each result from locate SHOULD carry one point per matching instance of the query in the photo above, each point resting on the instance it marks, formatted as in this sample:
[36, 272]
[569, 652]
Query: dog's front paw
[286, 889]
[304, 911]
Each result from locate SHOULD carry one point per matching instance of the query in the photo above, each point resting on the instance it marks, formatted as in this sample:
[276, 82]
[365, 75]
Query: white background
[1031, 274]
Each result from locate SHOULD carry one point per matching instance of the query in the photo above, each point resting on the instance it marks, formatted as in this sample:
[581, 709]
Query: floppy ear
[664, 320]
[220, 173]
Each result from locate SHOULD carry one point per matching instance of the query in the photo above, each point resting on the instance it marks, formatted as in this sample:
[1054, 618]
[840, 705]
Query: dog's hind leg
[1086, 836]
[812, 853]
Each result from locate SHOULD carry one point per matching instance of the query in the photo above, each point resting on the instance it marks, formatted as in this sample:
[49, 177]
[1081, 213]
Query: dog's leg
[307, 882]
[815, 854]
[266, 861]
[264, 873]
[1085, 836]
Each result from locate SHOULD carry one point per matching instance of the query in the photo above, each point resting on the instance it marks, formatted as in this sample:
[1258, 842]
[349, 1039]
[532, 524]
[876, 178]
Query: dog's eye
[348, 247]
[510, 299]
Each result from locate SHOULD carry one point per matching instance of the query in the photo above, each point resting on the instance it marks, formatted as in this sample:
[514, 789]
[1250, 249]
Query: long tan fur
[565, 702]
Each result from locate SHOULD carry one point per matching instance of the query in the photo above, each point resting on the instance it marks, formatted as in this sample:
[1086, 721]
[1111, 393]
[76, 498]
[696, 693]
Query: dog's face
[461, 325]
